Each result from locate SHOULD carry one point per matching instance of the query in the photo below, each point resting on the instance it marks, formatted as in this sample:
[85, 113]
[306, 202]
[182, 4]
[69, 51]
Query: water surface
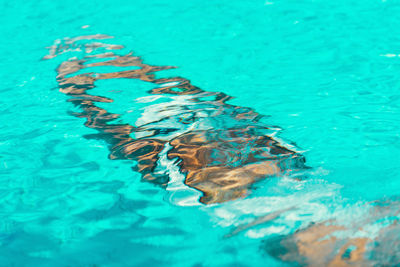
[324, 72]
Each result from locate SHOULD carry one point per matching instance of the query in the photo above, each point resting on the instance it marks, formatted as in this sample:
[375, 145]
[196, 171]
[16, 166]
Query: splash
[361, 235]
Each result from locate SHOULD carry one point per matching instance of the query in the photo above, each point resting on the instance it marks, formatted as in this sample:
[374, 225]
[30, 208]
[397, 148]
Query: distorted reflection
[220, 150]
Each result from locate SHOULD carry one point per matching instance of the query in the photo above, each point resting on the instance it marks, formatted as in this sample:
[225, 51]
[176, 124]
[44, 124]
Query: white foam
[179, 193]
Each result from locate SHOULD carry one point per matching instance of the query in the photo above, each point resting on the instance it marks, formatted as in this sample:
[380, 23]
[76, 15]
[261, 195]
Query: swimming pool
[325, 73]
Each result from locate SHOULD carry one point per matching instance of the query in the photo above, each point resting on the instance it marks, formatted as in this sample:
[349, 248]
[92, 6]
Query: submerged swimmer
[221, 149]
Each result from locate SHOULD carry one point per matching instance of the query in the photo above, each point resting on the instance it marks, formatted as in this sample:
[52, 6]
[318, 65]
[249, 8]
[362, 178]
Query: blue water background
[327, 73]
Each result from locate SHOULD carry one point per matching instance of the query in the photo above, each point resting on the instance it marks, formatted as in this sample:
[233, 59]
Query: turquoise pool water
[325, 72]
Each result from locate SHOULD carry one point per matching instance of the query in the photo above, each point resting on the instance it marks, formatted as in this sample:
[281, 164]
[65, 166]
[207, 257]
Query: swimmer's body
[221, 149]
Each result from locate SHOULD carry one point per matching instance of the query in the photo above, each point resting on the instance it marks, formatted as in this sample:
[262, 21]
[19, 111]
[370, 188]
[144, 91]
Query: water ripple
[220, 149]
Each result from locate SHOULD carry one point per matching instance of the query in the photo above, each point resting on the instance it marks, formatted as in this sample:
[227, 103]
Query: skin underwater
[221, 150]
